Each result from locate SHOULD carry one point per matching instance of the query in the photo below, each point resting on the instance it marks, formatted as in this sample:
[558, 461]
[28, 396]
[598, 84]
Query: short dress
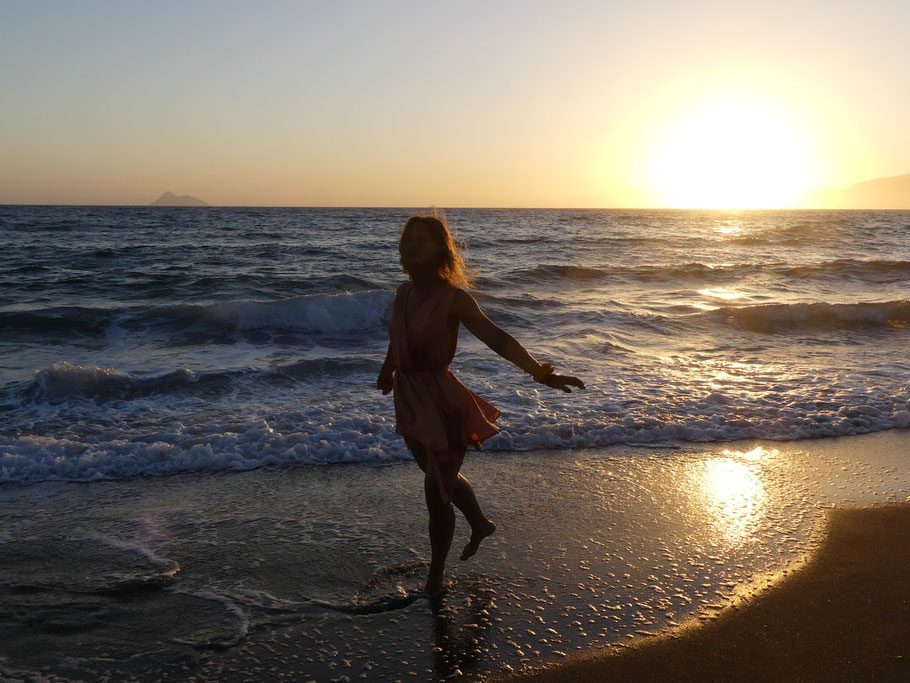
[432, 407]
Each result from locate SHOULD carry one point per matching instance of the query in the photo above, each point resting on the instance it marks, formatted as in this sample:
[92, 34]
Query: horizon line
[445, 208]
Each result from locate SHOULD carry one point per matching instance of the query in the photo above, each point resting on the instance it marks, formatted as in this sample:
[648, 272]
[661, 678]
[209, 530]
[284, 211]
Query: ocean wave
[809, 229]
[344, 313]
[554, 271]
[873, 271]
[74, 320]
[192, 448]
[229, 282]
[324, 438]
[30, 268]
[320, 313]
[64, 380]
[785, 317]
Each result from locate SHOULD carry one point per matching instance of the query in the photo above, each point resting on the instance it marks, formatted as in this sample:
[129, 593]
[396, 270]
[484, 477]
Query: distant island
[881, 193]
[170, 199]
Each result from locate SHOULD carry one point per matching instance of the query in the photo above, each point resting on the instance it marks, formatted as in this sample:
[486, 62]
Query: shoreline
[317, 572]
[844, 615]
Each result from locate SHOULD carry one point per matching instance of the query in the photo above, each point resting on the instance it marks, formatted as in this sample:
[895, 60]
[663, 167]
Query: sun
[732, 154]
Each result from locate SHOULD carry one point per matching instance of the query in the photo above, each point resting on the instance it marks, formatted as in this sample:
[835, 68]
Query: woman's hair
[451, 267]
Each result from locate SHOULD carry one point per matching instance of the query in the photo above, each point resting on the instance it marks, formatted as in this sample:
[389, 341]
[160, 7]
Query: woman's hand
[563, 382]
[386, 381]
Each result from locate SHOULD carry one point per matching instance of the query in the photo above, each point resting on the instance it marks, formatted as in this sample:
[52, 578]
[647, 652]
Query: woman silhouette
[435, 413]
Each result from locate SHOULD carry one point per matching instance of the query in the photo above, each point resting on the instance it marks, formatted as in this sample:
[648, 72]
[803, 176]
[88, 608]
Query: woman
[435, 413]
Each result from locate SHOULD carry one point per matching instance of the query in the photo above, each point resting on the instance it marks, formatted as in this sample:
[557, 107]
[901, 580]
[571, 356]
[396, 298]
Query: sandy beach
[316, 572]
[844, 616]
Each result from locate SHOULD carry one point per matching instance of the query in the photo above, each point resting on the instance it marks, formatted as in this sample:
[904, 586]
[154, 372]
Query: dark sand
[844, 616]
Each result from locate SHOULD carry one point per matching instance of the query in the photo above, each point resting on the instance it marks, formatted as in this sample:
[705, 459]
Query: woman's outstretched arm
[465, 307]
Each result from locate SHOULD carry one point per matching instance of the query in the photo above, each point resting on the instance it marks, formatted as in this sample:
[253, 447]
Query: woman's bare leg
[442, 522]
[466, 500]
[463, 496]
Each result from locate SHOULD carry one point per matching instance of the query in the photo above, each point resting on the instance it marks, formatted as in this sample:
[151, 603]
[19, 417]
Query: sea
[155, 340]
[199, 479]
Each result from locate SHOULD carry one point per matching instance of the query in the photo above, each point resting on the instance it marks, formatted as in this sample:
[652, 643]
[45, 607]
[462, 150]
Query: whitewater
[152, 341]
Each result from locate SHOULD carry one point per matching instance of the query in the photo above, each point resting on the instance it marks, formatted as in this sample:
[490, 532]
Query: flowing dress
[432, 407]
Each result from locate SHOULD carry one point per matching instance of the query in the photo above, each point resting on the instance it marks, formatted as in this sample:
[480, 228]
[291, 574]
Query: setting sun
[732, 154]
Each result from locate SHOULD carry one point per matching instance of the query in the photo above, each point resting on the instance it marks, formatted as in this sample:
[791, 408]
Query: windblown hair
[451, 267]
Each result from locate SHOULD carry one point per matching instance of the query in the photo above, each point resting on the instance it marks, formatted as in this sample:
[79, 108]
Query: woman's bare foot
[477, 535]
[434, 583]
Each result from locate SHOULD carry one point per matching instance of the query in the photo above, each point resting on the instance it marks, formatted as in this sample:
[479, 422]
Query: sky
[469, 104]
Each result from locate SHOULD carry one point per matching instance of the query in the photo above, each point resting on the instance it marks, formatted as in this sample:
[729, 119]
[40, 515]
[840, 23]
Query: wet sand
[317, 572]
[844, 616]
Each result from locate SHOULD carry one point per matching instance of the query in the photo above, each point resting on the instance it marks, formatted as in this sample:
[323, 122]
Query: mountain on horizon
[892, 192]
[170, 199]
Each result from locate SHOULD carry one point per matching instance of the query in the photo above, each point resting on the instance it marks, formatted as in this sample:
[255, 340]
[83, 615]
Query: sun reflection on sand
[733, 493]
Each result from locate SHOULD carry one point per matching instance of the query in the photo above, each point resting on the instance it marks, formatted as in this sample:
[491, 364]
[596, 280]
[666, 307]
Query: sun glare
[734, 496]
[732, 154]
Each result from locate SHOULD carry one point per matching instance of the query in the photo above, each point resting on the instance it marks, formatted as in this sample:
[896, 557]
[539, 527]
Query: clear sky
[512, 103]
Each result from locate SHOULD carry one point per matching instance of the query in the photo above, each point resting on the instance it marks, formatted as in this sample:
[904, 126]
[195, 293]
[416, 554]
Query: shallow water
[316, 572]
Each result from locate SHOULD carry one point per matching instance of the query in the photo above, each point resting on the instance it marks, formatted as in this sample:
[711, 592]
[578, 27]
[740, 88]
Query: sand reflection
[732, 493]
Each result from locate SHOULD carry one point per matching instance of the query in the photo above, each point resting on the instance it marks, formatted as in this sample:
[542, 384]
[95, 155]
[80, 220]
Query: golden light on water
[732, 154]
[720, 293]
[729, 228]
[733, 494]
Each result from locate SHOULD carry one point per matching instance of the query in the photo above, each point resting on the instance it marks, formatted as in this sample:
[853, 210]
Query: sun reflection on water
[720, 293]
[733, 493]
[729, 228]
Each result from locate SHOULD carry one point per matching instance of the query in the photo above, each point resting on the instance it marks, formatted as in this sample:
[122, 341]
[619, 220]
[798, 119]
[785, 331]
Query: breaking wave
[312, 314]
